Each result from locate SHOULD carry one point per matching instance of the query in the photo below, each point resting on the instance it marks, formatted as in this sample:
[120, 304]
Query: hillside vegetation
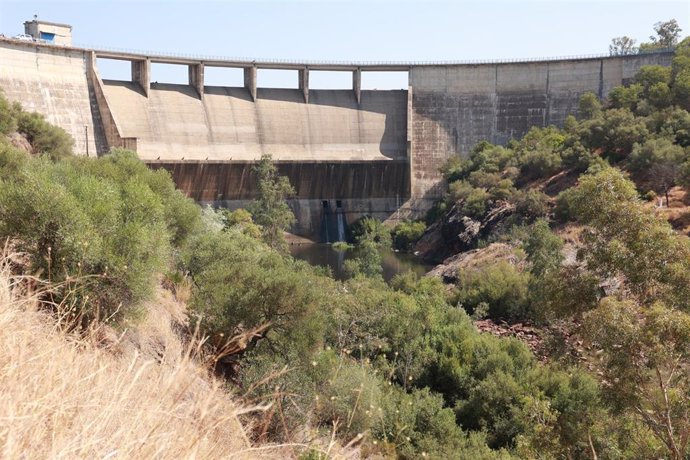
[360, 367]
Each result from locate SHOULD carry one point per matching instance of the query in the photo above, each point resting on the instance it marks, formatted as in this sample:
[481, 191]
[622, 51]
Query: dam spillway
[377, 152]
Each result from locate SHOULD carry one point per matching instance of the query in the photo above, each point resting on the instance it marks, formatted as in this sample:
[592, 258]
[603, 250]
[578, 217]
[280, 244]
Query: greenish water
[324, 255]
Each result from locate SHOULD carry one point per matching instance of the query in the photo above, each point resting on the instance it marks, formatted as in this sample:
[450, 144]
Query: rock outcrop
[457, 233]
[450, 268]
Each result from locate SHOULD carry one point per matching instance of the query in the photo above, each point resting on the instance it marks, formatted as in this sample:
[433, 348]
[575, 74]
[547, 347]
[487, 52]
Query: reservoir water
[324, 255]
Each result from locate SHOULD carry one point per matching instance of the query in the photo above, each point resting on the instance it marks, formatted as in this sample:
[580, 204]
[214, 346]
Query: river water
[324, 255]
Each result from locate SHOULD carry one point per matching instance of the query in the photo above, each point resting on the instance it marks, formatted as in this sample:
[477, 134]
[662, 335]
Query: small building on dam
[348, 152]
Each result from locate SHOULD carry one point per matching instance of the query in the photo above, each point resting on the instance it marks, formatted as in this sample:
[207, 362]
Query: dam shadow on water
[393, 263]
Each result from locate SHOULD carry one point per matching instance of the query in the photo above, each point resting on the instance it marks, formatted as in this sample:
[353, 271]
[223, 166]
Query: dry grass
[67, 397]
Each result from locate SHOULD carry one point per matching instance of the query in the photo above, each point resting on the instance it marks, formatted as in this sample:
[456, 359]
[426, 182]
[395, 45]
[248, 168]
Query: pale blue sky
[371, 30]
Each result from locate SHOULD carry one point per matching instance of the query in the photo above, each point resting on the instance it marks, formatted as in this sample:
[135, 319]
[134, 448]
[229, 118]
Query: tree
[543, 248]
[624, 239]
[645, 354]
[664, 175]
[589, 106]
[270, 209]
[615, 132]
[661, 160]
[370, 235]
[680, 75]
[667, 34]
[621, 46]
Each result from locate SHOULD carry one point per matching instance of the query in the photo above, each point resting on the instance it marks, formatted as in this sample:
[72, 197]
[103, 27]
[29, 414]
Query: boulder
[450, 268]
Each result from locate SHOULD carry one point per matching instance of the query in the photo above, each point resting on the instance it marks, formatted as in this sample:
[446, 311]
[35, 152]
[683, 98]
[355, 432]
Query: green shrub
[578, 157]
[531, 205]
[473, 201]
[241, 283]
[46, 139]
[655, 151]
[372, 230]
[540, 163]
[614, 133]
[104, 227]
[406, 234]
[543, 248]
[622, 97]
[11, 160]
[182, 215]
[501, 286]
[106, 239]
[589, 106]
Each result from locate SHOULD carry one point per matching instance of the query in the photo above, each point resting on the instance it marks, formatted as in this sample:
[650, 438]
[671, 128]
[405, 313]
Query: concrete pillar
[357, 84]
[196, 78]
[250, 81]
[304, 83]
[141, 73]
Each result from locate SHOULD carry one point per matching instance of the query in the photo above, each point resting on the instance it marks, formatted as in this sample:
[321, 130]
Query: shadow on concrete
[125, 84]
[238, 92]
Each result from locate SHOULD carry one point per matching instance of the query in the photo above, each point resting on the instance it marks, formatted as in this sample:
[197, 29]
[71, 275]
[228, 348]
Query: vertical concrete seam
[547, 111]
[601, 79]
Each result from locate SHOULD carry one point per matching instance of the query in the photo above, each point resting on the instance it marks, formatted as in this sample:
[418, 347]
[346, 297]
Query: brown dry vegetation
[137, 395]
[678, 210]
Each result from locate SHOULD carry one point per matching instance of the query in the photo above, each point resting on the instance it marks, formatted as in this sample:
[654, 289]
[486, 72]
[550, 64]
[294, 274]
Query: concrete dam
[349, 151]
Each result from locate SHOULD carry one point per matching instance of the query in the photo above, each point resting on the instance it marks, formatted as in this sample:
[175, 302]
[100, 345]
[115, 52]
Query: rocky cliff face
[456, 233]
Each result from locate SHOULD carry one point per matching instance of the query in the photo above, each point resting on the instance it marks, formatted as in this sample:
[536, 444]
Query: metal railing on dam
[345, 64]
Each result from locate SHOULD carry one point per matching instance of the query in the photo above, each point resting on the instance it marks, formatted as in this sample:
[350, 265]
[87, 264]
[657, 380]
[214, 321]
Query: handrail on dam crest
[364, 64]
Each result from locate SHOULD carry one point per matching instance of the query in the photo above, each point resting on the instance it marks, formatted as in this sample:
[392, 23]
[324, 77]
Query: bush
[46, 139]
[622, 97]
[501, 286]
[106, 239]
[614, 133]
[242, 283]
[472, 201]
[543, 248]
[372, 230]
[531, 205]
[181, 214]
[104, 227]
[589, 106]
[406, 234]
[655, 151]
[11, 160]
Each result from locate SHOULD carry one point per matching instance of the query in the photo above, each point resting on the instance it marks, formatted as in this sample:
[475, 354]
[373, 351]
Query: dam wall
[358, 188]
[369, 151]
[54, 81]
[454, 107]
[174, 122]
